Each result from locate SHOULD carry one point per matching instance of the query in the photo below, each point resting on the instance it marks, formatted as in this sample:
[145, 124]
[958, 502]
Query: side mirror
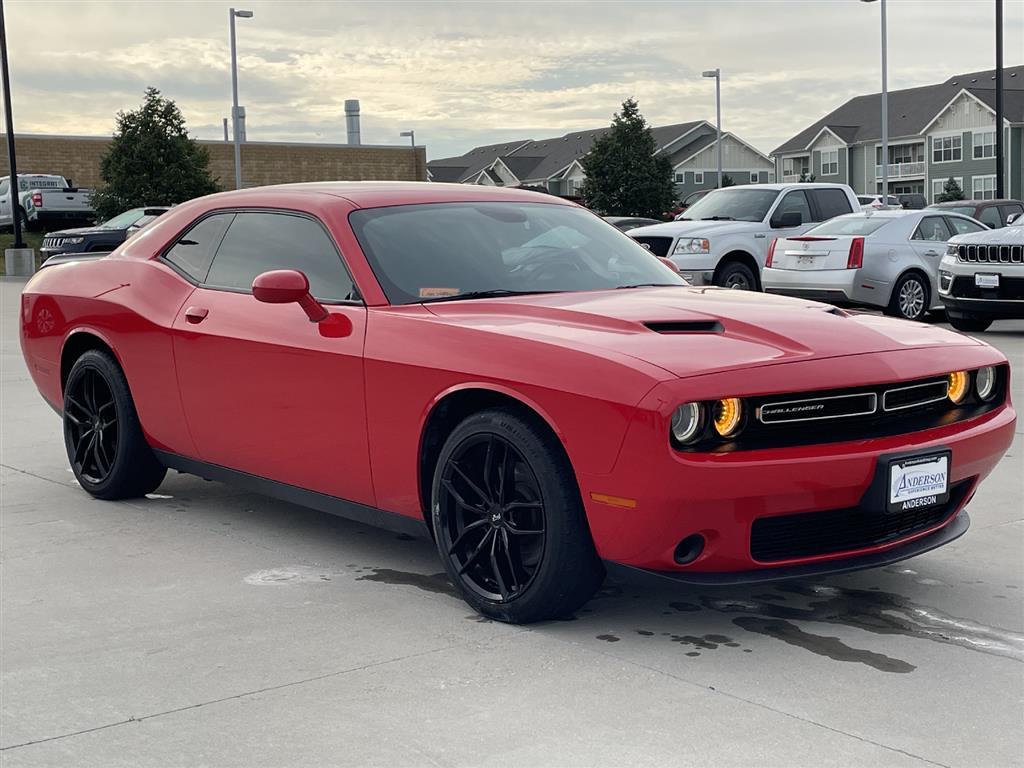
[287, 286]
[1013, 218]
[787, 220]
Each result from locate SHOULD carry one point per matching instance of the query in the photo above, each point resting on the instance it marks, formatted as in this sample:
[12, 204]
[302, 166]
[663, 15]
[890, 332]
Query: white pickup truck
[723, 238]
[42, 200]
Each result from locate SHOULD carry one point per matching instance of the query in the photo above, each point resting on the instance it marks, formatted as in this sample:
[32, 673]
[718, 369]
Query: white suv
[723, 238]
[981, 278]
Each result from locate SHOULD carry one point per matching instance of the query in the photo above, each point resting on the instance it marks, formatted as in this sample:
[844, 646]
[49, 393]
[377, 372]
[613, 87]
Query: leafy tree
[624, 176]
[806, 177]
[151, 160]
[950, 191]
[727, 181]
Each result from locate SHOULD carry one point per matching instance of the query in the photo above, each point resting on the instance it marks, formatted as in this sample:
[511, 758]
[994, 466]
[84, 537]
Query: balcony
[902, 170]
[789, 178]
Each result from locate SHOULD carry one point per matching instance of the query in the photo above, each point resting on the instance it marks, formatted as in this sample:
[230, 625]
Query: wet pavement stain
[608, 638]
[823, 645]
[882, 613]
[436, 582]
[684, 607]
[405, 537]
[645, 633]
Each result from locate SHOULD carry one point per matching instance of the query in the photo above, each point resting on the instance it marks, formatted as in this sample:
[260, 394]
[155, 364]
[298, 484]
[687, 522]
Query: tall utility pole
[885, 113]
[1000, 165]
[717, 74]
[232, 14]
[9, 122]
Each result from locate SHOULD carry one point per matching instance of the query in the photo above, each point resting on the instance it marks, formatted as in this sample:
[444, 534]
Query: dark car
[992, 213]
[103, 237]
[626, 223]
[913, 201]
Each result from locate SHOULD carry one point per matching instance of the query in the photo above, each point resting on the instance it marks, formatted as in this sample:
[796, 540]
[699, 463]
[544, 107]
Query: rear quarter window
[832, 202]
[193, 252]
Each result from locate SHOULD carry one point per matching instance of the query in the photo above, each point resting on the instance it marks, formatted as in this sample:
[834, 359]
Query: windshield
[123, 220]
[850, 225]
[439, 251]
[734, 203]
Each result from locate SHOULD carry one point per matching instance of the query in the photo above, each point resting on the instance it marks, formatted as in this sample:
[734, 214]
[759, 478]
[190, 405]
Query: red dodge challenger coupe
[519, 379]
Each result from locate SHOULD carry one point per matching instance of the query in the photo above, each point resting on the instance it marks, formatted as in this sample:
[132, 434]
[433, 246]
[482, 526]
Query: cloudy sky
[468, 73]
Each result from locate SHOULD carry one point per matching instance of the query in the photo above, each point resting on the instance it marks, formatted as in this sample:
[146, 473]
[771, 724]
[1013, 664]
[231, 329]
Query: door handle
[931, 253]
[196, 314]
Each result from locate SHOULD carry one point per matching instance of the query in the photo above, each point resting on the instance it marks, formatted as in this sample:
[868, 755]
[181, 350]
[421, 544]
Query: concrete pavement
[206, 626]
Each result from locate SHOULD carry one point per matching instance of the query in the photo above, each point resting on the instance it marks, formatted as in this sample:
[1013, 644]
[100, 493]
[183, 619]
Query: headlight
[691, 245]
[728, 414]
[957, 386]
[73, 240]
[985, 383]
[951, 250]
[686, 422]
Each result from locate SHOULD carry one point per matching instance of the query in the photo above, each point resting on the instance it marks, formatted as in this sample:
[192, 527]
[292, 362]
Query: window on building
[698, 177]
[946, 149]
[754, 177]
[830, 162]
[983, 187]
[680, 178]
[984, 144]
[794, 166]
[939, 186]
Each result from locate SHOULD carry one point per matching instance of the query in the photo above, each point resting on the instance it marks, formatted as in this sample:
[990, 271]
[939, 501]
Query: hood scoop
[685, 326]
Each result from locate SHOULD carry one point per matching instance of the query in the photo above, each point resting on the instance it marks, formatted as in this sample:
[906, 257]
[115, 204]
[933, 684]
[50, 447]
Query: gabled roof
[911, 110]
[473, 161]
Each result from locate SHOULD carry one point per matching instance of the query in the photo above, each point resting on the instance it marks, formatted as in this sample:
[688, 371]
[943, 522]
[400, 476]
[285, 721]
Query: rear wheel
[910, 297]
[737, 275]
[508, 520]
[104, 441]
[969, 323]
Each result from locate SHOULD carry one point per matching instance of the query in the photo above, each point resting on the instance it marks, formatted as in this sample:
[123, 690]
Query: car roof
[975, 203]
[778, 187]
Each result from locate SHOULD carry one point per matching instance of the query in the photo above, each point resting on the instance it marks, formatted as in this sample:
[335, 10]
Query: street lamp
[232, 14]
[411, 135]
[885, 114]
[717, 74]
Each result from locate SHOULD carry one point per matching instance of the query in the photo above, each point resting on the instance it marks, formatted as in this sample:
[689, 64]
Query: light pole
[1000, 167]
[232, 13]
[885, 114]
[411, 135]
[717, 74]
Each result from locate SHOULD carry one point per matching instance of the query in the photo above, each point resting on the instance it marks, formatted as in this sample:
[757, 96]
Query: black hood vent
[685, 326]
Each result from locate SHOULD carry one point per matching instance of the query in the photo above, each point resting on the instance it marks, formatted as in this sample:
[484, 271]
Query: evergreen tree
[727, 181]
[624, 177]
[806, 177]
[151, 160]
[950, 191]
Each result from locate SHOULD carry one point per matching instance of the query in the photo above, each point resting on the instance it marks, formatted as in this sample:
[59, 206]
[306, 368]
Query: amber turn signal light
[957, 386]
[728, 413]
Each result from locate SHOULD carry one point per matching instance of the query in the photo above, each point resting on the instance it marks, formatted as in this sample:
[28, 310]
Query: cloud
[463, 74]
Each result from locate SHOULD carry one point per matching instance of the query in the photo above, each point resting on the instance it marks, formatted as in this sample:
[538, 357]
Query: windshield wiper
[482, 295]
[718, 218]
[649, 285]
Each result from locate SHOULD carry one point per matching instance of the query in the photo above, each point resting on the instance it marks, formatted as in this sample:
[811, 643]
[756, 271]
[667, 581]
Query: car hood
[80, 231]
[697, 228]
[1003, 236]
[690, 331]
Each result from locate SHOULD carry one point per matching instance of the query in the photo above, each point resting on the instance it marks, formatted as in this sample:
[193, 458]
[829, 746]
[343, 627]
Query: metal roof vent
[352, 121]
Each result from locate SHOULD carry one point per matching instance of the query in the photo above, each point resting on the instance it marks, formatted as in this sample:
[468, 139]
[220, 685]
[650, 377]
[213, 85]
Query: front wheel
[910, 297]
[508, 520]
[969, 323]
[737, 275]
[107, 450]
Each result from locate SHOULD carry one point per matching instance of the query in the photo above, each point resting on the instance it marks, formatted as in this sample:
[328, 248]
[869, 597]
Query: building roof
[534, 160]
[911, 109]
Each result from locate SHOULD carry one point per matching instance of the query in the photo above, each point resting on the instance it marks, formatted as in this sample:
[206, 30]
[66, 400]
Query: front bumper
[721, 495]
[959, 293]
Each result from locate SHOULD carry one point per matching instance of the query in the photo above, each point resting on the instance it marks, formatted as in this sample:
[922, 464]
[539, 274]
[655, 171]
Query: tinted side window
[932, 228]
[258, 242]
[1008, 210]
[795, 201]
[194, 250]
[831, 202]
[4, 186]
[961, 226]
[990, 216]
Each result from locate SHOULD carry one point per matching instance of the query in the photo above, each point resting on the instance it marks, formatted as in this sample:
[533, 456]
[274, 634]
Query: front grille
[788, 537]
[657, 245]
[1010, 289]
[991, 254]
[898, 398]
[53, 242]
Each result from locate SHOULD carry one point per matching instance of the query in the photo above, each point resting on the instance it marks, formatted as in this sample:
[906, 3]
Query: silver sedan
[887, 259]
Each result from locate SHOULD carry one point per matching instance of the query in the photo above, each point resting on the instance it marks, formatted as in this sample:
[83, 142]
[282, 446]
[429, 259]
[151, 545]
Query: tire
[26, 225]
[969, 323]
[519, 553]
[910, 297]
[737, 275]
[106, 448]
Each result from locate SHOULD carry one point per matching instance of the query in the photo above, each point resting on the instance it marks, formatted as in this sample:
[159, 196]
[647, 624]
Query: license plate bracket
[909, 481]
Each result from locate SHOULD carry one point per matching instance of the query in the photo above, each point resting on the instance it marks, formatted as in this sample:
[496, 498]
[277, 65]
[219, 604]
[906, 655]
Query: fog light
[985, 383]
[728, 413]
[957, 386]
[686, 422]
[689, 549]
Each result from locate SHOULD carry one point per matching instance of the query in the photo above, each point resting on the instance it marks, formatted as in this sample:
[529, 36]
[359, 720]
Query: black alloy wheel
[508, 519]
[91, 417]
[494, 517]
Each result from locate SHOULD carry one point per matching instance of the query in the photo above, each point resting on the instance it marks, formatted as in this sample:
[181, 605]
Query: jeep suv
[981, 278]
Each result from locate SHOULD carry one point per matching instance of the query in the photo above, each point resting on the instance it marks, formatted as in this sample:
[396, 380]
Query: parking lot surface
[207, 626]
